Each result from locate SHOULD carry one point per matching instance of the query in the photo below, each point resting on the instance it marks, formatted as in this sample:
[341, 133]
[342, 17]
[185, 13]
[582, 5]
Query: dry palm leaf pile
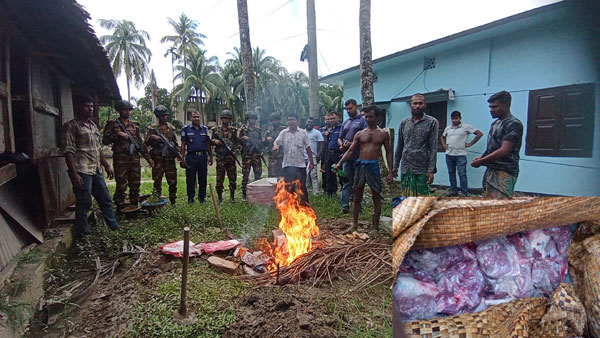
[366, 262]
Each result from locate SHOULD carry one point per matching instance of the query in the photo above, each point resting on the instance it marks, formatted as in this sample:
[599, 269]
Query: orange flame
[298, 223]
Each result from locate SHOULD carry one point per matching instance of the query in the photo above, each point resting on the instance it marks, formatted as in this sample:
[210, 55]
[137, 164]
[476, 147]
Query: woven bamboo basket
[560, 316]
[443, 222]
[449, 221]
[591, 283]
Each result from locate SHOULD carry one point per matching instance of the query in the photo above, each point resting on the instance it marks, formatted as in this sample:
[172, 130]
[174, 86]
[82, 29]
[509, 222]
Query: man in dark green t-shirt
[503, 145]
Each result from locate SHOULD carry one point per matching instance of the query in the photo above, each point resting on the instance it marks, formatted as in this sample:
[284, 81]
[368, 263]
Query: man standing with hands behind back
[195, 140]
[417, 148]
[454, 140]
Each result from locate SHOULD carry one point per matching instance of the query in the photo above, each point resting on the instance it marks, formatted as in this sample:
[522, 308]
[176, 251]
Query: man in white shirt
[454, 139]
[317, 142]
[294, 142]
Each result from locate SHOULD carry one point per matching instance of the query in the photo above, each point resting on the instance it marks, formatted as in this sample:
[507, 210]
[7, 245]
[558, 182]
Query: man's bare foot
[350, 229]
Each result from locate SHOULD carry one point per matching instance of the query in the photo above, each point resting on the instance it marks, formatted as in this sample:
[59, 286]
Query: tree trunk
[313, 75]
[246, 56]
[128, 89]
[366, 54]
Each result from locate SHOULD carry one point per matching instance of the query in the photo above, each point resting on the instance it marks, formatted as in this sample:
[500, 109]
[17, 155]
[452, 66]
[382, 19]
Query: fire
[298, 223]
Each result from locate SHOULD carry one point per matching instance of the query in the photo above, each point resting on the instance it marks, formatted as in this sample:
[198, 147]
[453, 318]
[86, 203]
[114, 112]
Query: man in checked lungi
[417, 148]
[366, 167]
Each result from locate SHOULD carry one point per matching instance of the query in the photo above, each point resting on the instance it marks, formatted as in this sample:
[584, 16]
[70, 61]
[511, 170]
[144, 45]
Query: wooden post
[214, 199]
[182, 315]
[184, 273]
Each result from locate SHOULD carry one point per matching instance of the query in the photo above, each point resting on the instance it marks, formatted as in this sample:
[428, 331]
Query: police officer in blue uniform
[195, 139]
[332, 153]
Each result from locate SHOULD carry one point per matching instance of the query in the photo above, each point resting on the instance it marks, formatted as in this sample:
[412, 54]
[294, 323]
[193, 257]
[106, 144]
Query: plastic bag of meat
[433, 262]
[415, 299]
[460, 288]
[542, 244]
[547, 273]
[519, 286]
[497, 258]
[521, 244]
[561, 236]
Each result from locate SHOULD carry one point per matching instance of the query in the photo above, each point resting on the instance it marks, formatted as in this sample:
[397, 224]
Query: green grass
[211, 294]
[210, 297]
[14, 310]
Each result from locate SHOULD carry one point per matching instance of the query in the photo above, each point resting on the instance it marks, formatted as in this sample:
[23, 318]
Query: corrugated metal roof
[11, 242]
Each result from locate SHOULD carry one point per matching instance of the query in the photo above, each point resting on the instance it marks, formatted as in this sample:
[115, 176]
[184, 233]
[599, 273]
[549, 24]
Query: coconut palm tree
[127, 50]
[186, 38]
[233, 87]
[246, 55]
[366, 54]
[200, 78]
[295, 94]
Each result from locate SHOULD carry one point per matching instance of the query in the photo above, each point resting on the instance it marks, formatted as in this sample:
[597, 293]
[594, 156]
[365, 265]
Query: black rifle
[228, 150]
[134, 146]
[168, 146]
[253, 148]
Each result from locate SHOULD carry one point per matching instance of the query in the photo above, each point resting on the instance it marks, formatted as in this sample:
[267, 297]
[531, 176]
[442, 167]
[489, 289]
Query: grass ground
[139, 300]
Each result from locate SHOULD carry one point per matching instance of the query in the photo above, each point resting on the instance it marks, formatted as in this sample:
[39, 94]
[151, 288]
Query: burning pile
[298, 224]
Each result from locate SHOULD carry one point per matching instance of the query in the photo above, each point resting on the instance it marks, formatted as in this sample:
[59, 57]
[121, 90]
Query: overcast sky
[279, 27]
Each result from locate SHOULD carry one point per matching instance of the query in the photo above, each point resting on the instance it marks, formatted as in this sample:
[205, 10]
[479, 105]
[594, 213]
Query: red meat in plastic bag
[433, 261]
[415, 299]
[519, 286]
[561, 236]
[497, 258]
[460, 288]
[539, 240]
[547, 273]
[521, 244]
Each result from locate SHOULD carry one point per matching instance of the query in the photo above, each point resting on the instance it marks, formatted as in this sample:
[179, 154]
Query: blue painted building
[548, 58]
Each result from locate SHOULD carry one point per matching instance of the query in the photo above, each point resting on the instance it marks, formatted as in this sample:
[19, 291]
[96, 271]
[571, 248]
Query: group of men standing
[348, 152]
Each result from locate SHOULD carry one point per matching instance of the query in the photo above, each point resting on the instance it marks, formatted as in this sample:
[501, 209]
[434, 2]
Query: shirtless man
[367, 169]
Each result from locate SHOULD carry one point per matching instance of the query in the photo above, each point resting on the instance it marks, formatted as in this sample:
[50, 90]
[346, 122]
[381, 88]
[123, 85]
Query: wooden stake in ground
[182, 315]
[214, 199]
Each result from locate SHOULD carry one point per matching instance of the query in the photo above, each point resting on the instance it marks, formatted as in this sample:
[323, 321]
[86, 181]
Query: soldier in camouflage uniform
[125, 162]
[252, 150]
[275, 156]
[225, 161]
[164, 159]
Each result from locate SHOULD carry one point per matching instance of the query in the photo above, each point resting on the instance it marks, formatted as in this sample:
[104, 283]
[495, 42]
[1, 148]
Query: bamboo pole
[184, 273]
[216, 204]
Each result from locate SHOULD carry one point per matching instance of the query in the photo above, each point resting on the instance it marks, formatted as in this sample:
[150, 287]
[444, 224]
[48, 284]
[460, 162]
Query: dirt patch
[304, 311]
[282, 312]
[107, 311]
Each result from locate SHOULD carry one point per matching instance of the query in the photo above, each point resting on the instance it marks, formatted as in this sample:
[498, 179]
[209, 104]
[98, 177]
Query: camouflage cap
[226, 113]
[251, 116]
[123, 104]
[161, 110]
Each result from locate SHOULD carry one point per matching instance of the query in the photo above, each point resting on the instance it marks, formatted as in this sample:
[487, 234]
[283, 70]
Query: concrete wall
[555, 53]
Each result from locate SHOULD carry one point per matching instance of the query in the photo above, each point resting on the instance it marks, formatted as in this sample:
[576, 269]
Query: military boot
[243, 196]
[232, 196]
[220, 197]
[172, 200]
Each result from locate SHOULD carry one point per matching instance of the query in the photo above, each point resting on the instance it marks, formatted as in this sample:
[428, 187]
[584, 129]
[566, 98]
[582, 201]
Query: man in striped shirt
[84, 157]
